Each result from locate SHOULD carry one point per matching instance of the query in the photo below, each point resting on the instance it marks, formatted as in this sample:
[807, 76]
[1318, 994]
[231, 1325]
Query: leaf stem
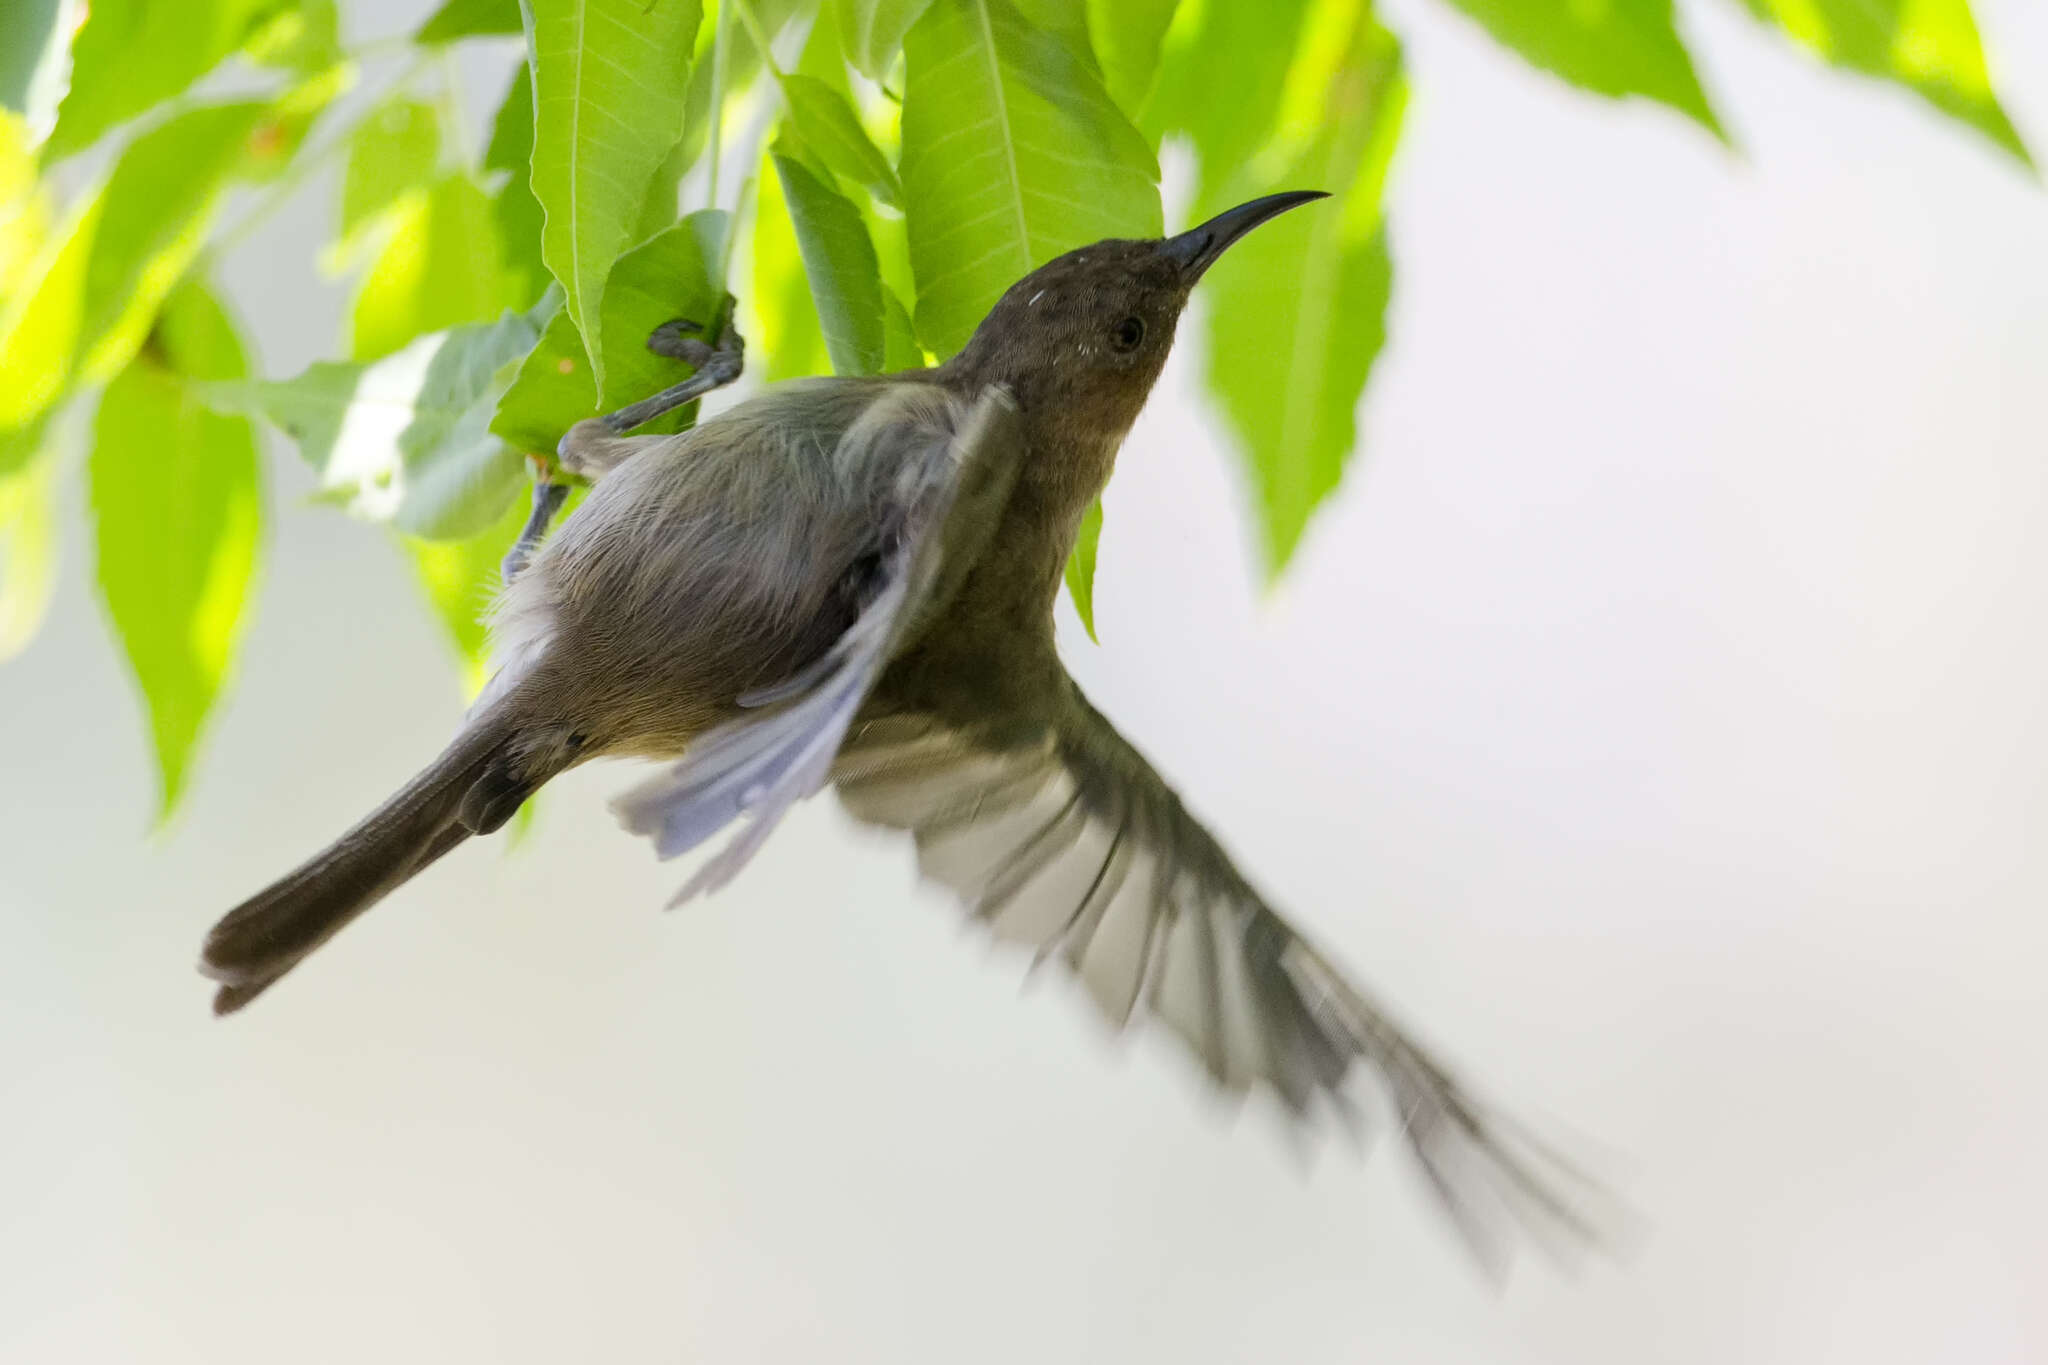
[745, 9]
[719, 39]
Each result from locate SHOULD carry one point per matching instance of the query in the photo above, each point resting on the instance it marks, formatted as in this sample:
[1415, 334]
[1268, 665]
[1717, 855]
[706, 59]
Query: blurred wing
[1071, 843]
[953, 469]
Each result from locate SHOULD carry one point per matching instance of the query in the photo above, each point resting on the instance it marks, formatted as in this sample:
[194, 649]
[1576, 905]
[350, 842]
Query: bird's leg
[716, 365]
[548, 497]
[595, 446]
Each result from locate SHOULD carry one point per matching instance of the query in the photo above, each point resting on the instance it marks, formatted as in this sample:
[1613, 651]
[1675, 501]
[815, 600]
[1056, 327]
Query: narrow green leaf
[134, 54]
[1930, 46]
[99, 283]
[1012, 154]
[1297, 310]
[438, 268]
[514, 210]
[394, 149]
[784, 335]
[1127, 35]
[900, 350]
[468, 19]
[28, 551]
[302, 36]
[669, 276]
[460, 578]
[839, 261]
[662, 204]
[406, 439]
[1613, 48]
[35, 58]
[1081, 568]
[872, 31]
[1222, 75]
[177, 517]
[611, 80]
[832, 132]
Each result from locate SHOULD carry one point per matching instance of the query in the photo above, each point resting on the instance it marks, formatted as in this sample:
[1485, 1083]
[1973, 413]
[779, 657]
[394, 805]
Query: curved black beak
[1195, 250]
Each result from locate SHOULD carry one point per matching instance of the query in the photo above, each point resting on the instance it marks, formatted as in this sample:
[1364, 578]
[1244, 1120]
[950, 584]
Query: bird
[850, 582]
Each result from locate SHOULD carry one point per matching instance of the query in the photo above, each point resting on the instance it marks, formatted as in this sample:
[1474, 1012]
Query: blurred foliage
[884, 167]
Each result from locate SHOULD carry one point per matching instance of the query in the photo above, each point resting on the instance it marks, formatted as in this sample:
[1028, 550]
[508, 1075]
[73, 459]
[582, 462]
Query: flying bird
[850, 582]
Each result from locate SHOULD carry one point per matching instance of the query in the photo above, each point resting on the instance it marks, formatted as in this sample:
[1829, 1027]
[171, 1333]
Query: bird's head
[1081, 339]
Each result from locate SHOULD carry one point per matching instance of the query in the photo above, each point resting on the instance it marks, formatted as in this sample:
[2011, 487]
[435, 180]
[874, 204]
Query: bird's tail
[470, 789]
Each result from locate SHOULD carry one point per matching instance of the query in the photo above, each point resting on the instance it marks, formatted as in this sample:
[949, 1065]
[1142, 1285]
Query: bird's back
[722, 558]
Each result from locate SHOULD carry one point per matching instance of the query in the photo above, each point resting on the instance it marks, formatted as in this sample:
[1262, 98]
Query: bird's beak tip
[1197, 249]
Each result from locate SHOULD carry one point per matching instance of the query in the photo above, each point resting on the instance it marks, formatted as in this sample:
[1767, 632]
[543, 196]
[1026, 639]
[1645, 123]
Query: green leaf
[98, 285]
[1081, 568]
[177, 517]
[35, 58]
[461, 577]
[784, 332]
[133, 54]
[1931, 47]
[839, 260]
[394, 149]
[28, 551]
[832, 132]
[438, 268]
[872, 31]
[468, 19]
[1613, 48]
[1012, 154]
[406, 439]
[1127, 35]
[302, 36]
[668, 276]
[1297, 310]
[611, 80]
[1222, 75]
[900, 350]
[514, 210]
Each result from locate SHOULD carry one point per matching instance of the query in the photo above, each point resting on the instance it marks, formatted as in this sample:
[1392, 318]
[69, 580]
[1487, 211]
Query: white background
[1656, 718]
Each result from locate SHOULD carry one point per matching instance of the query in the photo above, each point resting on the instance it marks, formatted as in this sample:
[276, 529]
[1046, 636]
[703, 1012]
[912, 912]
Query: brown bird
[851, 581]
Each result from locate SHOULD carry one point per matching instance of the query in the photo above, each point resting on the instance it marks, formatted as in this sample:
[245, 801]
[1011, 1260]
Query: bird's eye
[1128, 334]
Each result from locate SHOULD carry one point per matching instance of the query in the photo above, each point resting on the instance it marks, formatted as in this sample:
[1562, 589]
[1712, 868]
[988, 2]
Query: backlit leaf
[438, 268]
[394, 149]
[28, 550]
[872, 31]
[133, 53]
[1081, 567]
[1612, 47]
[669, 276]
[461, 577]
[1929, 46]
[467, 19]
[406, 439]
[783, 333]
[1296, 311]
[832, 132]
[177, 516]
[97, 284]
[611, 77]
[513, 208]
[839, 262]
[1126, 36]
[1012, 154]
[1221, 77]
[35, 58]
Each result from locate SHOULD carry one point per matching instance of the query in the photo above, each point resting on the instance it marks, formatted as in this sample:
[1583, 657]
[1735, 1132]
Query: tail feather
[270, 933]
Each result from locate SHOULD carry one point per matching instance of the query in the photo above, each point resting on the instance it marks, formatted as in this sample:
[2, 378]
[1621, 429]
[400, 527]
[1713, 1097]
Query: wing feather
[1069, 843]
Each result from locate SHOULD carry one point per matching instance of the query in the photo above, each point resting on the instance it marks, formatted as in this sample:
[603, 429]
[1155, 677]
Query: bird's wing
[950, 469]
[1060, 836]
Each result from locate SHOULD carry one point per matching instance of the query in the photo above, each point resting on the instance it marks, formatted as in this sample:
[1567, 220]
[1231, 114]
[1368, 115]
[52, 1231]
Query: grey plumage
[851, 581]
